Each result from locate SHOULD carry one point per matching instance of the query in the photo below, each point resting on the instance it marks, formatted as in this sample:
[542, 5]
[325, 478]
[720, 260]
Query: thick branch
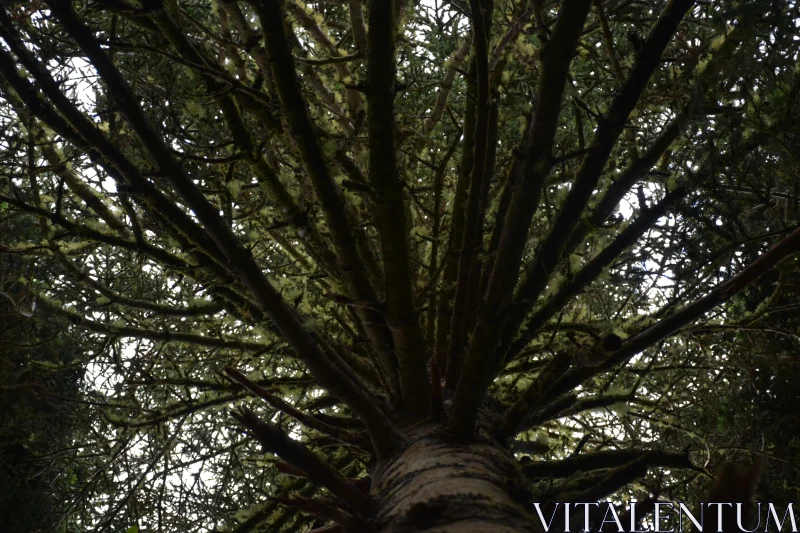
[481, 23]
[608, 131]
[507, 425]
[720, 294]
[593, 269]
[283, 406]
[603, 459]
[325, 188]
[570, 405]
[297, 455]
[479, 364]
[238, 259]
[668, 326]
[456, 235]
[391, 215]
[433, 264]
[625, 475]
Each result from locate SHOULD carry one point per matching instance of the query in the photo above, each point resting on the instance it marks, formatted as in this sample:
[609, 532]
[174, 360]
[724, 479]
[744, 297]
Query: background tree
[440, 260]
[39, 387]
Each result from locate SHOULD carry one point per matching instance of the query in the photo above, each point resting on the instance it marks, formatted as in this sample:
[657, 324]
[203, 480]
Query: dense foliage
[40, 379]
[563, 227]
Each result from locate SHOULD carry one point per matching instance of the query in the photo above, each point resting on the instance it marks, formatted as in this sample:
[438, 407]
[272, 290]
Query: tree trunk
[438, 485]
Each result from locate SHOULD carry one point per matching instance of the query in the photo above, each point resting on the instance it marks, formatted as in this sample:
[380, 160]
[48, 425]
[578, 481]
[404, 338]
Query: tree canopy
[332, 230]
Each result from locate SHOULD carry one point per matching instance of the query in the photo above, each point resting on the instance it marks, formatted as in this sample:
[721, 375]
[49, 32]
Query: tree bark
[437, 485]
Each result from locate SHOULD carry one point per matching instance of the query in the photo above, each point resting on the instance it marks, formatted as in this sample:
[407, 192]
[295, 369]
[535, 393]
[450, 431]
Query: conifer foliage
[397, 265]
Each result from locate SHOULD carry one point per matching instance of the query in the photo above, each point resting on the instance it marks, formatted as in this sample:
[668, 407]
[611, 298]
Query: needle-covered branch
[608, 131]
[73, 125]
[604, 459]
[236, 258]
[253, 154]
[455, 62]
[322, 509]
[570, 405]
[330, 197]
[624, 475]
[471, 240]
[284, 407]
[116, 298]
[479, 363]
[69, 122]
[668, 326]
[624, 240]
[390, 212]
[145, 333]
[300, 457]
[233, 301]
[444, 323]
[59, 163]
[789, 245]
[508, 424]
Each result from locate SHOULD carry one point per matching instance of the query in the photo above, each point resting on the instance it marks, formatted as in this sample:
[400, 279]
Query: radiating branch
[603, 459]
[668, 326]
[390, 211]
[608, 131]
[479, 363]
[300, 457]
[236, 258]
[307, 420]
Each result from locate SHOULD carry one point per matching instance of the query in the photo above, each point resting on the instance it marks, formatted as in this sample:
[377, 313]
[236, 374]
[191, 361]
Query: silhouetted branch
[300, 457]
[605, 459]
[305, 419]
[390, 210]
[479, 363]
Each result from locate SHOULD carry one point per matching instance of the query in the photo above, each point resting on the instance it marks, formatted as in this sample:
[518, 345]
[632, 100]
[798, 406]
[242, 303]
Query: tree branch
[667, 326]
[83, 133]
[390, 210]
[305, 419]
[473, 224]
[326, 190]
[253, 154]
[603, 459]
[592, 270]
[300, 457]
[150, 334]
[608, 131]
[236, 258]
[479, 363]
[456, 236]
